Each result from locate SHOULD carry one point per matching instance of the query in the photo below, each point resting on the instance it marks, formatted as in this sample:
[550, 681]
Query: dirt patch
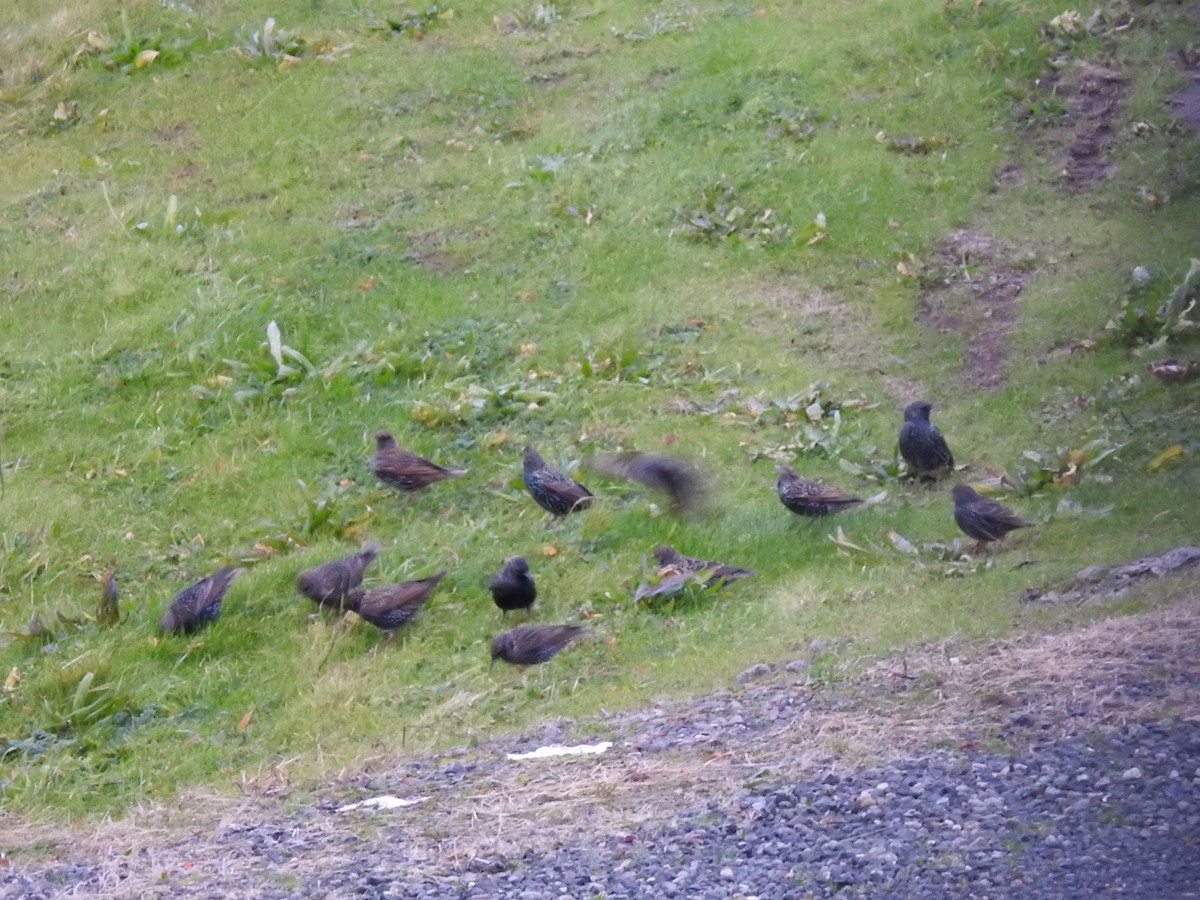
[814, 317]
[1185, 102]
[428, 250]
[820, 322]
[1093, 96]
[904, 390]
[547, 78]
[355, 215]
[971, 288]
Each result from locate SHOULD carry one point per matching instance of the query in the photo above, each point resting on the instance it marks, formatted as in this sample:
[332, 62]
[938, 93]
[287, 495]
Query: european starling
[330, 583]
[675, 563]
[675, 477]
[107, 610]
[982, 518]
[513, 587]
[806, 497]
[921, 444]
[553, 491]
[527, 645]
[403, 469]
[392, 605]
[199, 604]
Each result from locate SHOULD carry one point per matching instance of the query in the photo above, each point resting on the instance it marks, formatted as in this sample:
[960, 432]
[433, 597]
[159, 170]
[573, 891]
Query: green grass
[480, 239]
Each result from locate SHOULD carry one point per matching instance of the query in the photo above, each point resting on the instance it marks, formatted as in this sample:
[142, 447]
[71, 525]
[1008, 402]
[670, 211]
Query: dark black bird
[199, 604]
[806, 497]
[330, 583]
[553, 491]
[513, 587]
[527, 645]
[982, 518]
[403, 469]
[675, 563]
[392, 605]
[108, 611]
[921, 444]
[675, 477]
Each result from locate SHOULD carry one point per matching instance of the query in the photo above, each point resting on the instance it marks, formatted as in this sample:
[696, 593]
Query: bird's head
[354, 599]
[384, 441]
[499, 645]
[304, 582]
[666, 555]
[964, 493]
[917, 411]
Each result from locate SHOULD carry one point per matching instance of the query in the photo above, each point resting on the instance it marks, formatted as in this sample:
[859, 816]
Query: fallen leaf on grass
[1169, 370]
[1173, 452]
[901, 543]
[244, 721]
[844, 543]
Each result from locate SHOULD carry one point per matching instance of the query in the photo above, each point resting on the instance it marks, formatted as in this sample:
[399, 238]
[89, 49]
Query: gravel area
[1059, 765]
[1111, 817]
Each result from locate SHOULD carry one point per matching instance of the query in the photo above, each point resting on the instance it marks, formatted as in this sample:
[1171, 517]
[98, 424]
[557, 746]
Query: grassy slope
[413, 214]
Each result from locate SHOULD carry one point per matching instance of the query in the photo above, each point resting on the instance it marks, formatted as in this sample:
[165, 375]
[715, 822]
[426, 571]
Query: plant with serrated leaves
[415, 23]
[1062, 467]
[475, 403]
[274, 377]
[1138, 323]
[722, 216]
[271, 43]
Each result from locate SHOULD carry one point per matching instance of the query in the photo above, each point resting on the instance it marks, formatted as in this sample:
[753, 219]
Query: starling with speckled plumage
[921, 444]
[404, 469]
[196, 606]
[672, 562]
[553, 491]
[673, 476]
[108, 611]
[330, 583]
[512, 587]
[392, 605]
[982, 518]
[528, 645]
[806, 497]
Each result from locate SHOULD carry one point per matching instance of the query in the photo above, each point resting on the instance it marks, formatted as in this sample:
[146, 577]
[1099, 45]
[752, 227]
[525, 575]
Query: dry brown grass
[1104, 675]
